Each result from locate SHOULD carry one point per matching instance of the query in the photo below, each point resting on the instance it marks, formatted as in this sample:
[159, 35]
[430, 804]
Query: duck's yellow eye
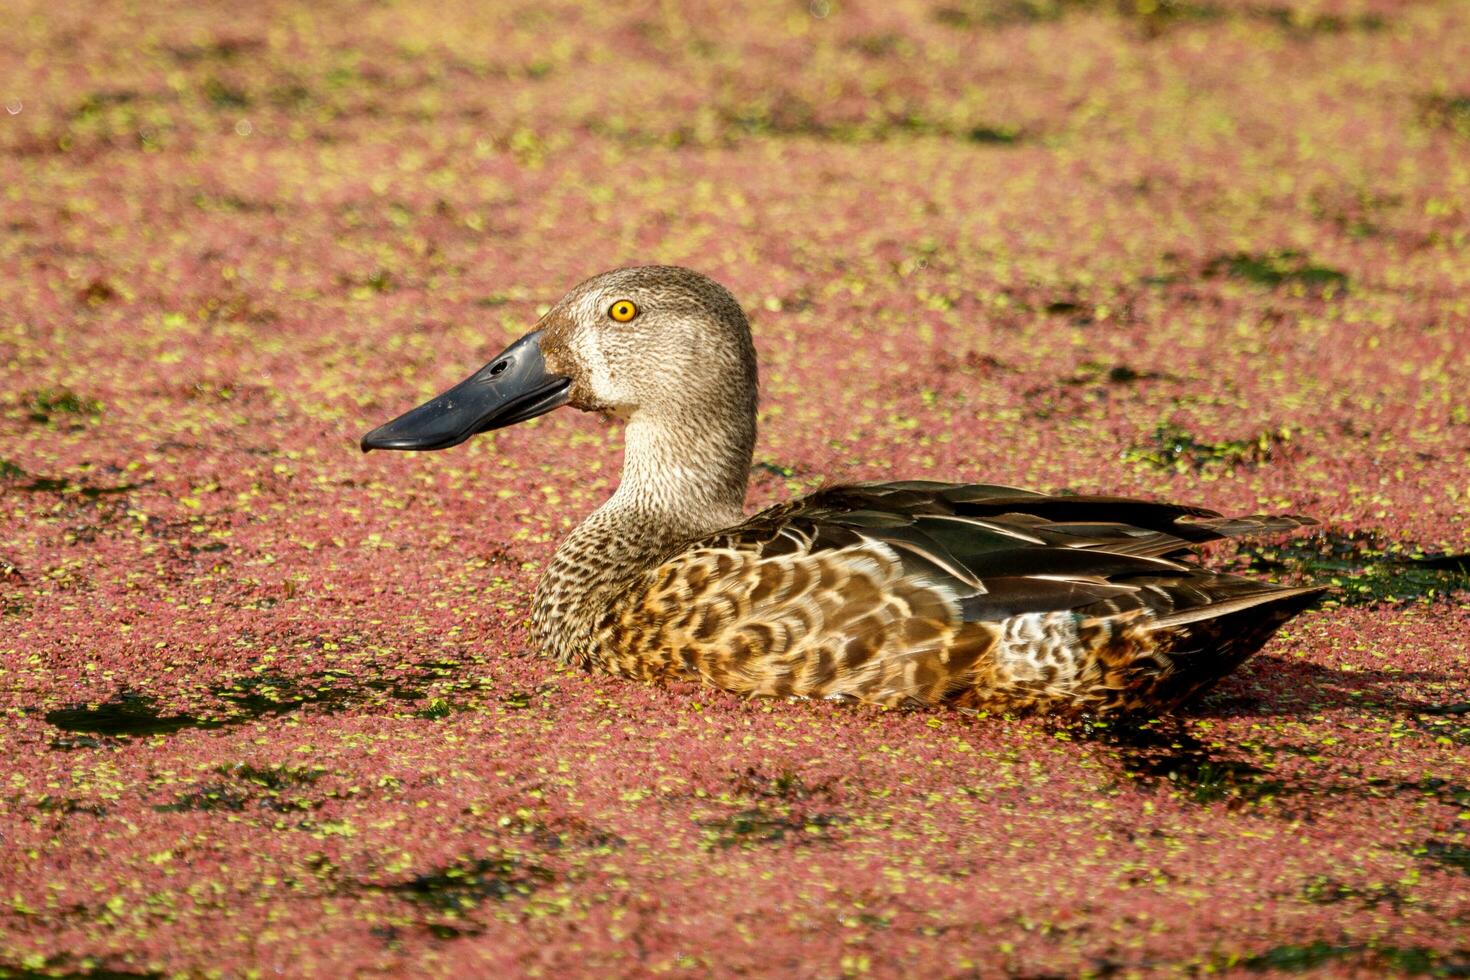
[623, 310]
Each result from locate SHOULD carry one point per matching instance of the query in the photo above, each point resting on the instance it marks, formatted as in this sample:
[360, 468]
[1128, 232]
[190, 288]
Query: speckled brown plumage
[900, 594]
[924, 594]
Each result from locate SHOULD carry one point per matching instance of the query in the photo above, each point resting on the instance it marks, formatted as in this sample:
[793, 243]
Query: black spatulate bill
[513, 387]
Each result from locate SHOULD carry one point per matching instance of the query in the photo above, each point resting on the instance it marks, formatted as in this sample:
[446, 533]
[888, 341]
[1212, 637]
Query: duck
[908, 594]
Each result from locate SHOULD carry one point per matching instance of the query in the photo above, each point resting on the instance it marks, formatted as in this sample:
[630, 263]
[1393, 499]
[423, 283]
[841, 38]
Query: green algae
[567, 833]
[125, 715]
[1455, 856]
[994, 135]
[784, 785]
[435, 709]
[129, 714]
[60, 968]
[220, 49]
[1322, 890]
[1207, 781]
[1450, 722]
[465, 885]
[1095, 372]
[93, 103]
[1302, 957]
[774, 469]
[272, 777]
[771, 808]
[97, 292]
[224, 96]
[1153, 17]
[271, 693]
[46, 404]
[1446, 792]
[47, 484]
[263, 786]
[1296, 957]
[761, 825]
[790, 116]
[68, 806]
[1171, 447]
[1363, 569]
[1451, 112]
[1273, 269]
[207, 798]
[1163, 752]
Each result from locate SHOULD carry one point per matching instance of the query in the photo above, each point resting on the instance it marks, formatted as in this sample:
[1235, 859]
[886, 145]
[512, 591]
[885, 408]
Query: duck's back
[919, 593]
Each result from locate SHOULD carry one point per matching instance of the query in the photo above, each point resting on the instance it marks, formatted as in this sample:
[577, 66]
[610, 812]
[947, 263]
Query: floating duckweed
[45, 405]
[1172, 447]
[1363, 568]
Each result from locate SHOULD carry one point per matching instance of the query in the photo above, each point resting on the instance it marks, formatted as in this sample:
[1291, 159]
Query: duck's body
[912, 594]
[901, 594]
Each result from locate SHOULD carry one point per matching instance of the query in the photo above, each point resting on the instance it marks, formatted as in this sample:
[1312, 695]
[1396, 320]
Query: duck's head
[662, 343]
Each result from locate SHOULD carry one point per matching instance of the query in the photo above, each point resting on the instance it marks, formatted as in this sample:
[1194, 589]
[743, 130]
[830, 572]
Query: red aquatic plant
[269, 705]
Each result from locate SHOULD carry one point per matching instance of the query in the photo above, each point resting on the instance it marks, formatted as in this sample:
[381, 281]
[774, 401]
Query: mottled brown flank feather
[917, 594]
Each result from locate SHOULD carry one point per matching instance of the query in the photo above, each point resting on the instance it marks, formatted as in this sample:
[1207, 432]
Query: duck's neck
[682, 478]
[688, 476]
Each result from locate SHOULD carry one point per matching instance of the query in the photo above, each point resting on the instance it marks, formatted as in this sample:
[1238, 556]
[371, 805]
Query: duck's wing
[919, 592]
[1003, 551]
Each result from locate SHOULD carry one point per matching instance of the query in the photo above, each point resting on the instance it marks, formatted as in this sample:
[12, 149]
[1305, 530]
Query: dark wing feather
[1003, 551]
[1120, 539]
[1015, 595]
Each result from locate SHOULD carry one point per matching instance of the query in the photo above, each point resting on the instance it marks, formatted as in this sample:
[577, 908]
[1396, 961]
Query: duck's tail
[1206, 642]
